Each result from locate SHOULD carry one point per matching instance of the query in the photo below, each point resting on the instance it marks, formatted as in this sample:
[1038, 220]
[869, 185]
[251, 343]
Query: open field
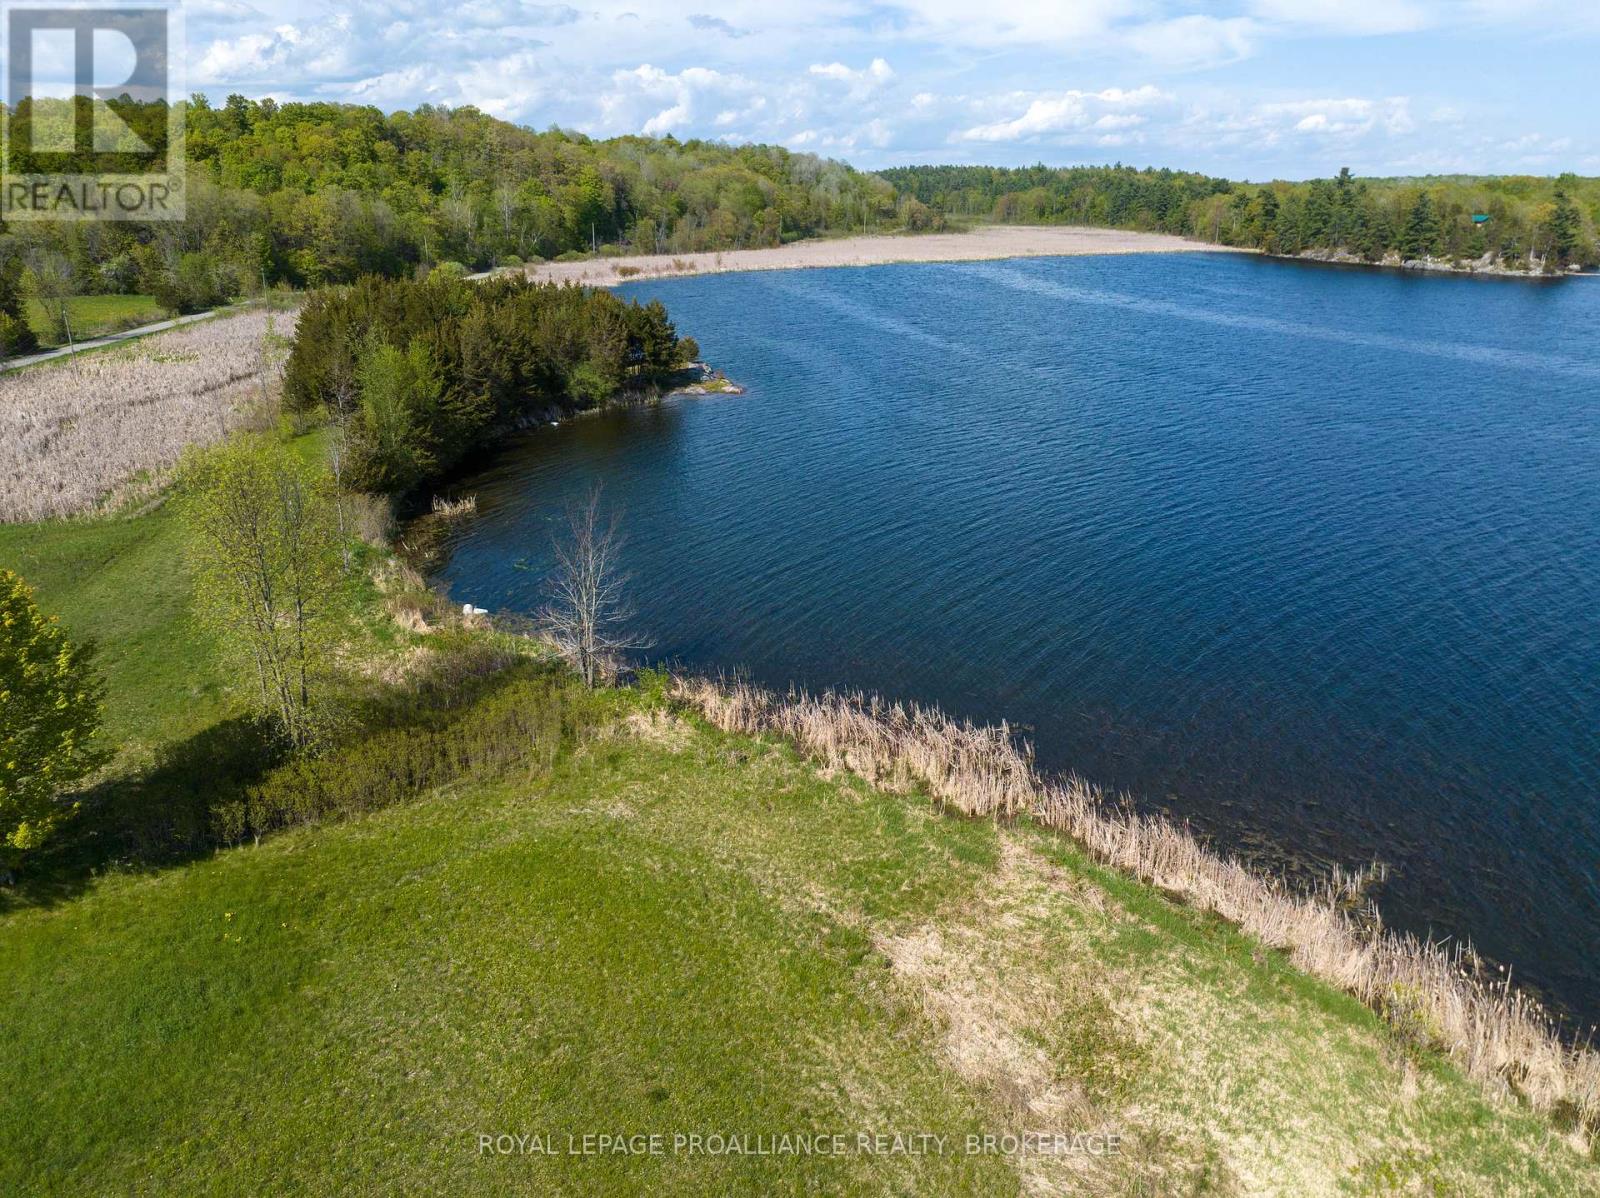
[76, 430]
[93, 316]
[987, 242]
[674, 930]
[126, 584]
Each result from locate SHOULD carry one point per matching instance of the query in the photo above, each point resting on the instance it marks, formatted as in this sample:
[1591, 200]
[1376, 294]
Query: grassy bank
[604, 915]
[126, 584]
[664, 928]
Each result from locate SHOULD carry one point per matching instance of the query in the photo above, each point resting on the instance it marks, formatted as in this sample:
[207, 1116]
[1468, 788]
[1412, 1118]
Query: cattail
[74, 433]
[1440, 993]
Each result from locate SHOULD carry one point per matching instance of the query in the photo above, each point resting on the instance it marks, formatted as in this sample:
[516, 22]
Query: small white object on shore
[468, 610]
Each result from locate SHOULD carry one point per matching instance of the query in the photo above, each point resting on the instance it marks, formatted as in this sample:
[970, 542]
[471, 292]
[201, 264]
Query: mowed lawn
[92, 316]
[126, 585]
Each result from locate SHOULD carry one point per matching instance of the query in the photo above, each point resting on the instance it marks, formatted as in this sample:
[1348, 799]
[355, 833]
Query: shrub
[473, 710]
[429, 740]
[16, 337]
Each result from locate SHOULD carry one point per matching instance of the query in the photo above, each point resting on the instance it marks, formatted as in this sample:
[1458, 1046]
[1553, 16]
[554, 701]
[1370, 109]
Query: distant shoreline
[1484, 268]
[983, 244]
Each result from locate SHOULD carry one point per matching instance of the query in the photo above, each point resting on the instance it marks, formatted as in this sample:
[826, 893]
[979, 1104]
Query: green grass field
[125, 584]
[662, 929]
[93, 316]
[676, 932]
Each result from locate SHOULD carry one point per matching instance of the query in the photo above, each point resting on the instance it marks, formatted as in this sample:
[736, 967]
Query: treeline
[418, 374]
[310, 194]
[1113, 196]
[1518, 221]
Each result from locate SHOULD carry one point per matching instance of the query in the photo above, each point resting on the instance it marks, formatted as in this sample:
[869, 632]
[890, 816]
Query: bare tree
[587, 614]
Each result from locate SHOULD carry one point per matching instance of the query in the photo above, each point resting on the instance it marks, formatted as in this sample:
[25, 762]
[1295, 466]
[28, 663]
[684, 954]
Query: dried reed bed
[1496, 1034]
[75, 430]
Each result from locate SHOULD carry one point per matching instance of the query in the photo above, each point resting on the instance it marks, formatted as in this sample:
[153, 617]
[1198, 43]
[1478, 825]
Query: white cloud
[655, 102]
[250, 56]
[876, 73]
[1355, 18]
[1340, 117]
[1196, 41]
[1066, 112]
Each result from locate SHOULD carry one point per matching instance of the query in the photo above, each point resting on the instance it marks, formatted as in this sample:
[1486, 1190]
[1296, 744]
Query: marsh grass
[78, 430]
[1440, 996]
[455, 509]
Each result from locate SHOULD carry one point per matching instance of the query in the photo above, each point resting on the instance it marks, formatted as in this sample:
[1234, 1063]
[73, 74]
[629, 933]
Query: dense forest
[1518, 221]
[418, 374]
[307, 194]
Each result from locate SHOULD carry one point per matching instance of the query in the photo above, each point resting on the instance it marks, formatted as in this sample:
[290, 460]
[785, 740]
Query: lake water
[1308, 556]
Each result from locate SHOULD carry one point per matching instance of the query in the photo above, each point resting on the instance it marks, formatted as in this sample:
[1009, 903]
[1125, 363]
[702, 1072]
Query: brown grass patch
[1498, 1035]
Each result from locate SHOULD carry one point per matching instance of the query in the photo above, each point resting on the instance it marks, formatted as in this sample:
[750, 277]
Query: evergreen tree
[1565, 224]
[1343, 222]
[1374, 233]
[1420, 237]
[16, 335]
[1267, 220]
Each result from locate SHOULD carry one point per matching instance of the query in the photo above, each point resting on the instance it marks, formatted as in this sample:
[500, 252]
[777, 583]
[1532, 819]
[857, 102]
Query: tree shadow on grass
[150, 819]
[479, 710]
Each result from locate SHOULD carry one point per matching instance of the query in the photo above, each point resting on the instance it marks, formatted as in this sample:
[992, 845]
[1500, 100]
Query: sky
[1251, 89]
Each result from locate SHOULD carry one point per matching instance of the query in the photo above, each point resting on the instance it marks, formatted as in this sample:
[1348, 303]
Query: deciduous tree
[51, 700]
[263, 535]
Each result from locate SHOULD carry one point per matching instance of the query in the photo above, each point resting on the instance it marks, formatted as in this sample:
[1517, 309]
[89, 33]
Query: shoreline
[1439, 991]
[1486, 267]
[986, 243]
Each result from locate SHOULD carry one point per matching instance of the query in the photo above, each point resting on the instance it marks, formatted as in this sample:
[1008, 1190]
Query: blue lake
[1307, 556]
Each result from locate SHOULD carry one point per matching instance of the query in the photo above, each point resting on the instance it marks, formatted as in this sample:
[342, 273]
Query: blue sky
[1251, 89]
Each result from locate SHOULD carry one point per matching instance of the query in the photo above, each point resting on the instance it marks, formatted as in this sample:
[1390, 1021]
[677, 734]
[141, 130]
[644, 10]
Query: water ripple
[1309, 557]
